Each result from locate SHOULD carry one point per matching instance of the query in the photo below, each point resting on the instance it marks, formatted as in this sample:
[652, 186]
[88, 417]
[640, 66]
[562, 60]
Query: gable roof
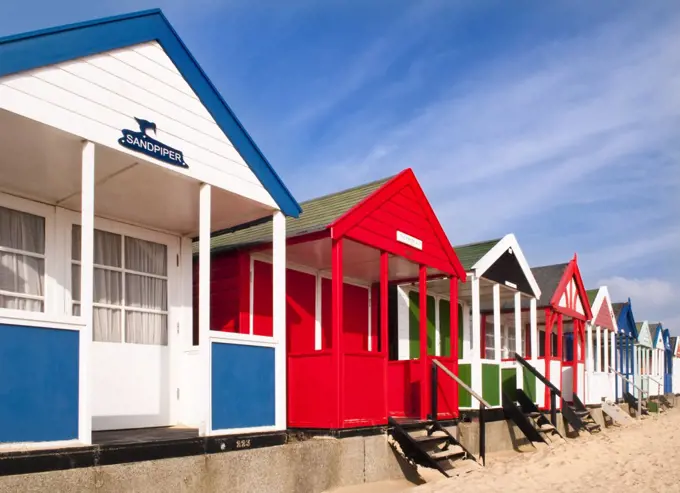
[644, 334]
[470, 253]
[548, 278]
[316, 215]
[601, 308]
[501, 261]
[42, 48]
[625, 320]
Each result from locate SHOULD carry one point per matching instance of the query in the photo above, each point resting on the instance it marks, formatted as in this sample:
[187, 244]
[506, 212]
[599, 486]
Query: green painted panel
[491, 383]
[414, 325]
[431, 326]
[465, 374]
[529, 384]
[445, 327]
[509, 379]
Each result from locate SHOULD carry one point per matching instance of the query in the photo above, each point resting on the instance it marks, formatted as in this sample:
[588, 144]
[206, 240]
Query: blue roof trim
[19, 53]
[626, 320]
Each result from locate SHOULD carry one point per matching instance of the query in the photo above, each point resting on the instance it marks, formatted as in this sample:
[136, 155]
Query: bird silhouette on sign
[145, 125]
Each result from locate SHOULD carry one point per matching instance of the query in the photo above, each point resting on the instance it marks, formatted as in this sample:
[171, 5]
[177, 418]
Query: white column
[589, 348]
[476, 373]
[86, 293]
[279, 315]
[653, 367]
[497, 321]
[612, 349]
[605, 364]
[598, 348]
[204, 212]
[518, 324]
[534, 328]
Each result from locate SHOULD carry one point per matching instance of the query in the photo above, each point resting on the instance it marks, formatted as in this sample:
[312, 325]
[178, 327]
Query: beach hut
[349, 365]
[643, 347]
[117, 152]
[657, 374]
[497, 319]
[600, 348]
[625, 340]
[668, 362]
[675, 349]
[562, 312]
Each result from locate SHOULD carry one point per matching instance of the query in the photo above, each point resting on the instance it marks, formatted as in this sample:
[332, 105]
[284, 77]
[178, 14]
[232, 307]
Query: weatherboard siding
[96, 97]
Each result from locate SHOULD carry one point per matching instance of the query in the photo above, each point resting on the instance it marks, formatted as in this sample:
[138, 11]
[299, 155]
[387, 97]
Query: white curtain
[21, 274]
[145, 292]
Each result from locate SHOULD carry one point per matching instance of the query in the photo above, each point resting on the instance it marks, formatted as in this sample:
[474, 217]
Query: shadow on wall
[408, 469]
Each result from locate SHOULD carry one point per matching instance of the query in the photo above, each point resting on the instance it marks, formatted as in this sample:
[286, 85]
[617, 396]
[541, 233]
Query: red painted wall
[603, 317]
[229, 279]
[355, 317]
[262, 299]
[403, 212]
[300, 308]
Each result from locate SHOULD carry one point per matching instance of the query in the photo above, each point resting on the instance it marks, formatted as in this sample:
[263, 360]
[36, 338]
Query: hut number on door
[243, 443]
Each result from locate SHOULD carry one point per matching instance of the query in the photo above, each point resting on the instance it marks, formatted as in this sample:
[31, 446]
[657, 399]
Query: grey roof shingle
[316, 215]
[470, 253]
[548, 278]
[617, 307]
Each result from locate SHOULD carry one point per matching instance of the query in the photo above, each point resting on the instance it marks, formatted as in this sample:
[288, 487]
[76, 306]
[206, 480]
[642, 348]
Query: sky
[556, 121]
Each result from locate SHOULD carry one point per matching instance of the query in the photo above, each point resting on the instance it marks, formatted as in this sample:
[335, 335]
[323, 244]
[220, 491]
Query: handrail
[538, 375]
[642, 391]
[461, 383]
[482, 404]
[649, 377]
[554, 391]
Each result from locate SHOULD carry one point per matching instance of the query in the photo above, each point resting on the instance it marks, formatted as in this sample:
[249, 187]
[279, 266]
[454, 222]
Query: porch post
[560, 334]
[519, 379]
[476, 365]
[384, 321]
[598, 348]
[424, 380]
[518, 322]
[547, 349]
[589, 348]
[497, 321]
[204, 211]
[279, 315]
[86, 293]
[453, 330]
[337, 312]
[533, 321]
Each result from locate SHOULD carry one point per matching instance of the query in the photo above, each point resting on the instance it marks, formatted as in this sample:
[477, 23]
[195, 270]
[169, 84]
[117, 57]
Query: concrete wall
[310, 466]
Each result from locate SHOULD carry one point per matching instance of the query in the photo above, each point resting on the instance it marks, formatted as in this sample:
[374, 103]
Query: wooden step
[533, 415]
[436, 437]
[453, 452]
[581, 414]
[545, 428]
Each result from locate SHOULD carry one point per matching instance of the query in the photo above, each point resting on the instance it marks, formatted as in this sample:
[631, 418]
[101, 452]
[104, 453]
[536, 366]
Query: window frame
[172, 244]
[51, 305]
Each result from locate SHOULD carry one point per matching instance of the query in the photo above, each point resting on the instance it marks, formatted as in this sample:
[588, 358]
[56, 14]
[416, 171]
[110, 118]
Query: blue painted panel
[38, 384]
[50, 46]
[243, 393]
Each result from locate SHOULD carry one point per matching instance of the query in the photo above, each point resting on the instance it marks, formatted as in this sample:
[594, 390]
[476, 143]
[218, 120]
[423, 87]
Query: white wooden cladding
[96, 97]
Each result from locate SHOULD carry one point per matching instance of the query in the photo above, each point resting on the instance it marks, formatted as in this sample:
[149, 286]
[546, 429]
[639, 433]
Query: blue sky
[558, 121]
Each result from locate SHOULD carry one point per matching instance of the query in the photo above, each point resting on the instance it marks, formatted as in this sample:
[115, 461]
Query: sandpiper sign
[142, 142]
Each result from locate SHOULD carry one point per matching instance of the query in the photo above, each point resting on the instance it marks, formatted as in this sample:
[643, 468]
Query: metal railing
[436, 365]
[554, 391]
[640, 389]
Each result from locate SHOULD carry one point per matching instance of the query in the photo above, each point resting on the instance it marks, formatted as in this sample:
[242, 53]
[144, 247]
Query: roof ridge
[356, 187]
[550, 265]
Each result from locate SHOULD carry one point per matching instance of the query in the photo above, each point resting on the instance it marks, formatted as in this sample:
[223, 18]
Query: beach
[640, 457]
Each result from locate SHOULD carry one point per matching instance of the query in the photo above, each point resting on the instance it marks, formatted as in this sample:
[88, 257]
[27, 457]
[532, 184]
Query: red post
[547, 350]
[560, 352]
[453, 316]
[384, 322]
[424, 380]
[336, 291]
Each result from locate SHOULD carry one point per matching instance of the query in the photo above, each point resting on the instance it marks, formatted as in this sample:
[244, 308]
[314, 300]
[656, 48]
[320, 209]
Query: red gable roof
[571, 295]
[604, 315]
[398, 219]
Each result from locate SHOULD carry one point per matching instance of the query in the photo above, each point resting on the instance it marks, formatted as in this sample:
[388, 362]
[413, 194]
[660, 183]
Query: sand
[642, 457]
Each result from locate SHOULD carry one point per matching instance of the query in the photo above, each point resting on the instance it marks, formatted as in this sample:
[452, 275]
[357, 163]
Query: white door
[134, 280]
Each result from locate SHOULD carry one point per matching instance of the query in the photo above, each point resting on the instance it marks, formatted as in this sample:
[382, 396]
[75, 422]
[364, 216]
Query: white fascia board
[508, 241]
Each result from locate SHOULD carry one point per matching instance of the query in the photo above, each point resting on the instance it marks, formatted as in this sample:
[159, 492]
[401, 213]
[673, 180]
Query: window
[130, 288]
[22, 261]
[490, 341]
